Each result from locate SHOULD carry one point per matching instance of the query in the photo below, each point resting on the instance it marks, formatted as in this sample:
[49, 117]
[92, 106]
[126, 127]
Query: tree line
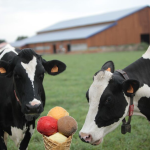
[17, 39]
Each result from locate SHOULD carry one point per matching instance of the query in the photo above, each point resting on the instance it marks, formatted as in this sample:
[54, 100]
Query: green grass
[68, 91]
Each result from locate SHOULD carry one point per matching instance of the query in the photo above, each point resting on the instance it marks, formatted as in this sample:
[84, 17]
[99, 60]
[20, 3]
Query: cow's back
[7, 52]
[140, 69]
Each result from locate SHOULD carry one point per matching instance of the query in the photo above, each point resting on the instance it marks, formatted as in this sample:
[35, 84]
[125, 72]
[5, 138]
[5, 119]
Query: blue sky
[26, 17]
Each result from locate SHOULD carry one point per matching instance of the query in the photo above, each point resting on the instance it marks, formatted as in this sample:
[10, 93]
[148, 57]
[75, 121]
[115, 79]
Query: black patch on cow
[8, 57]
[144, 106]
[112, 105]
[27, 55]
[139, 70]
[87, 95]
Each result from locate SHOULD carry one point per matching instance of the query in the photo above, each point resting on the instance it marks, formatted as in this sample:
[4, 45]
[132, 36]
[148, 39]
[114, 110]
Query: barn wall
[127, 30]
[48, 47]
[40, 47]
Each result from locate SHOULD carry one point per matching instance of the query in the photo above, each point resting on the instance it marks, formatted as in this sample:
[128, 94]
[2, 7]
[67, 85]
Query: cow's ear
[53, 67]
[109, 66]
[3, 68]
[130, 86]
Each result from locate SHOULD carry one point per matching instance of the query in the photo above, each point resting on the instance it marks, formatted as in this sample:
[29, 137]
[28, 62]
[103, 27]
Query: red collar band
[126, 127]
[17, 97]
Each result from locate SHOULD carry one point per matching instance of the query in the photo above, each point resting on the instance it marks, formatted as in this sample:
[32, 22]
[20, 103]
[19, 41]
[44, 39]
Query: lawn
[68, 91]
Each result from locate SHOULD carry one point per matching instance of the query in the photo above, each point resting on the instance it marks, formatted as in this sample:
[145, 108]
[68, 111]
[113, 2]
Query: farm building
[129, 26]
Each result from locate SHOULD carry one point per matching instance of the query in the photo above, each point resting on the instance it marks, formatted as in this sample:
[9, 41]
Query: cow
[22, 96]
[109, 98]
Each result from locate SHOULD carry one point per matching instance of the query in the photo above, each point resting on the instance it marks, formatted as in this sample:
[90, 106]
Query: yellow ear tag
[109, 69]
[130, 90]
[2, 70]
[54, 69]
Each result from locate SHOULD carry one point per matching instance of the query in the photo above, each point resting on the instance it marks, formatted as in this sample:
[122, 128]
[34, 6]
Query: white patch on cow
[143, 91]
[6, 49]
[31, 129]
[30, 69]
[101, 81]
[18, 135]
[35, 102]
[146, 55]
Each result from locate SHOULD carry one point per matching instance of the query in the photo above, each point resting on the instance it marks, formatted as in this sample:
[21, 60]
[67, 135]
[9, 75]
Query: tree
[21, 38]
[1, 41]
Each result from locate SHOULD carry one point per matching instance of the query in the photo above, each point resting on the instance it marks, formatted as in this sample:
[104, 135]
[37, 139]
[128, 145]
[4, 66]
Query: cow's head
[27, 72]
[108, 99]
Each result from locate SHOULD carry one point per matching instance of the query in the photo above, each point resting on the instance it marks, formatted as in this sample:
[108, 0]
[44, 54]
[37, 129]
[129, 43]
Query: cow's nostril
[85, 137]
[28, 108]
[33, 109]
[88, 138]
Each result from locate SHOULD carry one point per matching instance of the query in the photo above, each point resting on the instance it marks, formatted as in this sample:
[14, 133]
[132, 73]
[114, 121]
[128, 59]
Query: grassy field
[68, 91]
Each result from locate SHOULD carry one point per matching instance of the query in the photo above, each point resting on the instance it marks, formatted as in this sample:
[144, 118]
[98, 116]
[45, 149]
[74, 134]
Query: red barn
[129, 26]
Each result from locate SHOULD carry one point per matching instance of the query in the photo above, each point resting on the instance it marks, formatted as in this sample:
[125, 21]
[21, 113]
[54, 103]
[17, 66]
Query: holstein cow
[110, 97]
[22, 96]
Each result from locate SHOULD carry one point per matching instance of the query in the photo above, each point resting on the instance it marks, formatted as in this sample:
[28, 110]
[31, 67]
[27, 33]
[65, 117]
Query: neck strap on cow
[126, 126]
[17, 97]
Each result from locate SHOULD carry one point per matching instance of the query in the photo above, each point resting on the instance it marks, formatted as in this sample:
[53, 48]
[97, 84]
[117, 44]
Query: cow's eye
[41, 76]
[17, 76]
[108, 101]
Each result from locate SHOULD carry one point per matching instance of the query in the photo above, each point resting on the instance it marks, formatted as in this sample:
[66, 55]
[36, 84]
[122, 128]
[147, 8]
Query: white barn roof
[82, 32]
[106, 17]
[70, 34]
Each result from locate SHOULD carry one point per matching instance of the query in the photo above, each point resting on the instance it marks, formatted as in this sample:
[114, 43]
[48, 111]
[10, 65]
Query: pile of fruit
[57, 125]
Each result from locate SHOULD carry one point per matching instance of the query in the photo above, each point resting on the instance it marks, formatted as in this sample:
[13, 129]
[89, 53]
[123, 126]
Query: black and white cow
[22, 96]
[108, 98]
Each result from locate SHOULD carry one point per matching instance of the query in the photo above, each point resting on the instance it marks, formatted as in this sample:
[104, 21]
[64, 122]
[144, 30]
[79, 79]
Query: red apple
[47, 125]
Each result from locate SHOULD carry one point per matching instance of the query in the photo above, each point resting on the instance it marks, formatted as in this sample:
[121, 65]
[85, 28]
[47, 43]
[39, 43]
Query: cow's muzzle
[33, 111]
[85, 137]
[88, 139]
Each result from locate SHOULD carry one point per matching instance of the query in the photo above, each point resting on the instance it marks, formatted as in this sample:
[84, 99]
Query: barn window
[47, 47]
[78, 47]
[38, 48]
[145, 38]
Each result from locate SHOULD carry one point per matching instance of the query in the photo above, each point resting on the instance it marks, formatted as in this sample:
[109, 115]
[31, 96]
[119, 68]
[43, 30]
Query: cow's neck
[6, 51]
[140, 71]
[16, 107]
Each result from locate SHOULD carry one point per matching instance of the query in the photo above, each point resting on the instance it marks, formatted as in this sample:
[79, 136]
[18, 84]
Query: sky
[27, 17]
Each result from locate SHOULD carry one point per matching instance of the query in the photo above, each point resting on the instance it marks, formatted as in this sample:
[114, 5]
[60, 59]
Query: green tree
[1, 41]
[21, 38]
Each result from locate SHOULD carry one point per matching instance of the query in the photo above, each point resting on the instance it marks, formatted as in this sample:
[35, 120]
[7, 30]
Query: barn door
[54, 49]
[145, 38]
